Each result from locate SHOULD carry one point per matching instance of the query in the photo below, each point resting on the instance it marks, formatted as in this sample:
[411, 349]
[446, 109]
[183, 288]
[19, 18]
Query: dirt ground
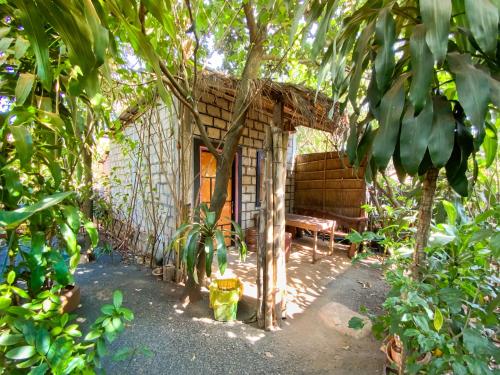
[186, 339]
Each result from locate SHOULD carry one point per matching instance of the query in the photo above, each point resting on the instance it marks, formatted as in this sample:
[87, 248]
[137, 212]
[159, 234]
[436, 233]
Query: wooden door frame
[236, 186]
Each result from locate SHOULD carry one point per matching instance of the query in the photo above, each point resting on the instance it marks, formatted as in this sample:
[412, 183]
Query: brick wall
[125, 164]
[146, 196]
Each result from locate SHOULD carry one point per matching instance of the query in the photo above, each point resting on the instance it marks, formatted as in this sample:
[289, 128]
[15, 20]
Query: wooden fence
[324, 182]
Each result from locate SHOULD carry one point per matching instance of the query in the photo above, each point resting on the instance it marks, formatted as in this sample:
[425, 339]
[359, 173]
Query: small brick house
[160, 168]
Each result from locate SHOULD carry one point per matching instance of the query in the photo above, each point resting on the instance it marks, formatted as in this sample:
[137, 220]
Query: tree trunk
[243, 98]
[424, 218]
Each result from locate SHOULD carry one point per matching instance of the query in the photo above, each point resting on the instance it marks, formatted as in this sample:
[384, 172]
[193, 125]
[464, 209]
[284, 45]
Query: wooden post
[269, 263]
[271, 268]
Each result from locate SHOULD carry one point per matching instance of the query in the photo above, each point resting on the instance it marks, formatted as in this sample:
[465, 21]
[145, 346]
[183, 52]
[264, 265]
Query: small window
[259, 188]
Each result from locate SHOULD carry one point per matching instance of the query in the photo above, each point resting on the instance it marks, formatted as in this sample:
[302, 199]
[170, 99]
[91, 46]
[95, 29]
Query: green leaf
[108, 309]
[442, 135]
[71, 213]
[490, 144]
[92, 231]
[391, 108]
[359, 55]
[421, 322]
[191, 250]
[20, 47]
[356, 323]
[11, 276]
[438, 319]
[4, 302]
[23, 87]
[414, 137]
[42, 341]
[352, 140]
[23, 143]
[472, 87]
[99, 34]
[483, 20]
[451, 211]
[210, 218]
[476, 343]
[422, 67]
[10, 339]
[117, 298]
[221, 251]
[298, 14]
[69, 237]
[31, 19]
[384, 37]
[495, 91]
[21, 352]
[209, 250]
[436, 16]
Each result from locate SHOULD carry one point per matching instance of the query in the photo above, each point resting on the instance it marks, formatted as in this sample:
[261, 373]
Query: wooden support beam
[269, 235]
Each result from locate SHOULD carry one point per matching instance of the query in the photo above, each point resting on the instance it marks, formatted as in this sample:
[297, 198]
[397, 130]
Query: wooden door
[208, 167]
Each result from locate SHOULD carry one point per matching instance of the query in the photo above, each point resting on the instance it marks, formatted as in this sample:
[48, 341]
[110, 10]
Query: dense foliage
[422, 81]
[51, 53]
[451, 310]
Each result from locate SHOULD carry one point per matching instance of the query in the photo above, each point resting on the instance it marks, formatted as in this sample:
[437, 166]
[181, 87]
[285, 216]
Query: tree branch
[251, 24]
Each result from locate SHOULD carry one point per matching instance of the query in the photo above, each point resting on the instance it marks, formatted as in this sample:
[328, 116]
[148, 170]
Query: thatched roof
[302, 106]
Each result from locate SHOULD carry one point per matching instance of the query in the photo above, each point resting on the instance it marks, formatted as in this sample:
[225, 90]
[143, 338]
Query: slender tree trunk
[243, 98]
[424, 218]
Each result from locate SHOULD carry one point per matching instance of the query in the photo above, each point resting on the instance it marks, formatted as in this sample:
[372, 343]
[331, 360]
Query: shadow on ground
[186, 339]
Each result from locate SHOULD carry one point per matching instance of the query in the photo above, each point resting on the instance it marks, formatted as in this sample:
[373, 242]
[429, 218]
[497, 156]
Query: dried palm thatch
[302, 106]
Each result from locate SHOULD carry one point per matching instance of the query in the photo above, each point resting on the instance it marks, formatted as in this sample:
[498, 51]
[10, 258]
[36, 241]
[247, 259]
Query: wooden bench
[315, 225]
[344, 224]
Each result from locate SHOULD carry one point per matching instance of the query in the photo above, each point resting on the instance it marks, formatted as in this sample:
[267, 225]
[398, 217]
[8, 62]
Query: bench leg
[353, 249]
[315, 246]
[332, 239]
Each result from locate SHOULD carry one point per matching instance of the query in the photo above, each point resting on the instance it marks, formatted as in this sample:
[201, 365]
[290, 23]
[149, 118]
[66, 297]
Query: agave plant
[204, 237]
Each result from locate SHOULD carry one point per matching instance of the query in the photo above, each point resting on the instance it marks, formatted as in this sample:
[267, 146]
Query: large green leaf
[436, 15]
[72, 215]
[483, 20]
[359, 56]
[490, 144]
[70, 23]
[191, 250]
[473, 86]
[100, 35]
[23, 87]
[69, 237]
[11, 219]
[221, 251]
[209, 257]
[384, 37]
[422, 66]
[92, 232]
[21, 352]
[364, 145]
[23, 143]
[352, 140]
[33, 24]
[391, 108]
[442, 135]
[456, 167]
[414, 137]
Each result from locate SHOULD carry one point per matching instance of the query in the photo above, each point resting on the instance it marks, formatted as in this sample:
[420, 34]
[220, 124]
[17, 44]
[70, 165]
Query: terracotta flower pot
[393, 353]
[70, 298]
